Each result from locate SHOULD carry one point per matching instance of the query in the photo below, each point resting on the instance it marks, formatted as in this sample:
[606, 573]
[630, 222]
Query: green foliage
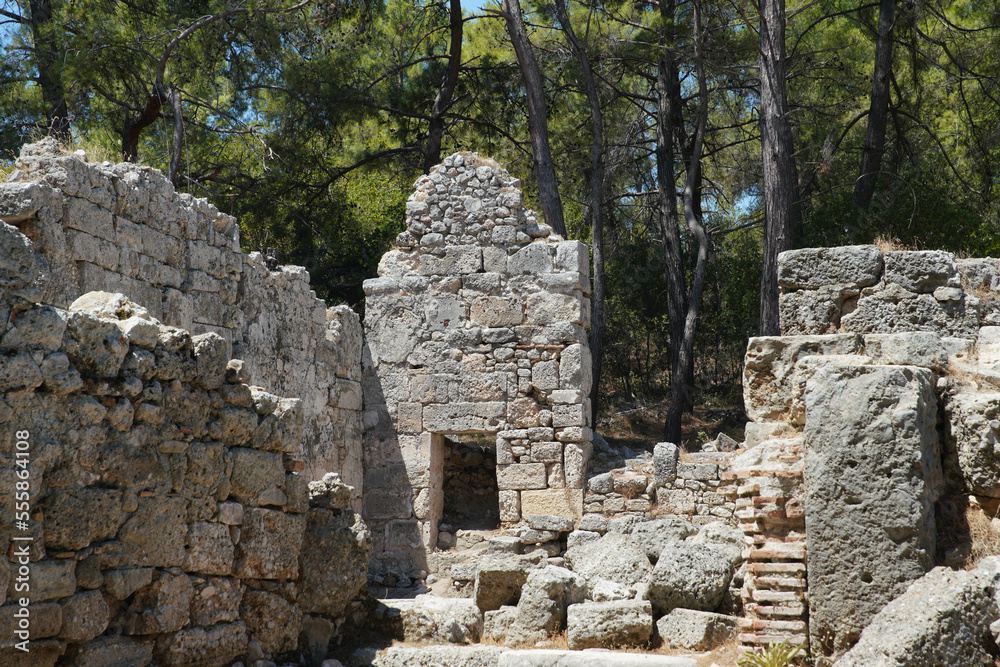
[775, 655]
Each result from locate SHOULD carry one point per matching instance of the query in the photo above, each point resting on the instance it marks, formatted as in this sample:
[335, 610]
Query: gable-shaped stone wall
[476, 325]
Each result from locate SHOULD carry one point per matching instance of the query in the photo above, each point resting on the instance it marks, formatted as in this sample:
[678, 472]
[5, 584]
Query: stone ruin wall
[476, 325]
[122, 228]
[165, 522]
[880, 398]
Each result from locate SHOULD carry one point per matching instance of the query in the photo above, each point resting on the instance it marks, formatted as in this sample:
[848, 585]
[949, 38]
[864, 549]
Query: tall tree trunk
[435, 133]
[596, 203]
[49, 76]
[780, 188]
[175, 155]
[668, 108]
[682, 396]
[538, 125]
[878, 112]
[134, 126]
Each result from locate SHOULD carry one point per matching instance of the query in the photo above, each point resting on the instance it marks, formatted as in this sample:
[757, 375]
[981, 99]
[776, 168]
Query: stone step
[761, 595]
[588, 658]
[479, 655]
[757, 639]
[774, 552]
[777, 583]
[757, 624]
[776, 611]
[759, 568]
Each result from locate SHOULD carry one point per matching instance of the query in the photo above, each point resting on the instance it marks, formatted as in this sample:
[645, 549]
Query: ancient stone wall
[123, 228]
[476, 325]
[159, 519]
[881, 354]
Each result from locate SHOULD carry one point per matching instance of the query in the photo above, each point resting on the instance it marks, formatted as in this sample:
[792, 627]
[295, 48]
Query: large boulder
[615, 556]
[872, 476]
[656, 534]
[693, 576]
[812, 268]
[696, 630]
[973, 426]
[722, 536]
[946, 619]
[500, 578]
[609, 624]
[430, 618]
[541, 611]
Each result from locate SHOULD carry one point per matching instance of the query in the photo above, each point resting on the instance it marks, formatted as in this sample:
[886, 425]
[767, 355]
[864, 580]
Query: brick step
[776, 596]
[778, 583]
[797, 538]
[756, 624]
[764, 567]
[774, 553]
[784, 611]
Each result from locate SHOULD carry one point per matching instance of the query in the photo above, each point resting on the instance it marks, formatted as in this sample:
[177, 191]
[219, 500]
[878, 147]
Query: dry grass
[985, 537]
[889, 244]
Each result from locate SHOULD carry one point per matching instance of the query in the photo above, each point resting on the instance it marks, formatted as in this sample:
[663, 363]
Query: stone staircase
[772, 519]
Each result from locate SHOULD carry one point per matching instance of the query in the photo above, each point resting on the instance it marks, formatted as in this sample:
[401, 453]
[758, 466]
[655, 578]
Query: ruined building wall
[149, 512]
[882, 355]
[476, 325]
[123, 228]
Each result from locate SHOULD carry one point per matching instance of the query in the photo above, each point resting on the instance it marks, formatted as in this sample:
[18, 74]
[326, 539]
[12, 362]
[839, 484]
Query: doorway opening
[471, 494]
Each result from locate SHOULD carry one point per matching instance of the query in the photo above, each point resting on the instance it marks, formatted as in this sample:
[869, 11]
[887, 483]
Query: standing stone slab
[872, 475]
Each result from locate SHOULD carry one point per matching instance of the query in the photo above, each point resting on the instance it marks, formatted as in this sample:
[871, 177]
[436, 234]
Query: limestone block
[693, 576]
[457, 260]
[510, 506]
[219, 644]
[973, 423]
[812, 312]
[570, 415]
[464, 417]
[209, 549]
[916, 348]
[19, 371]
[497, 311]
[519, 476]
[541, 610]
[95, 346]
[565, 502]
[335, 553]
[534, 258]
[445, 311]
[921, 270]
[573, 256]
[654, 535]
[254, 472]
[614, 557]
[430, 618]
[896, 310]
[17, 266]
[550, 308]
[575, 368]
[988, 347]
[872, 476]
[665, 458]
[610, 624]
[121, 583]
[211, 357]
[474, 386]
[269, 545]
[941, 619]
[49, 579]
[812, 268]
[41, 328]
[271, 621]
[84, 616]
[523, 413]
[723, 536]
[500, 578]
[115, 650]
[696, 630]
[75, 517]
[217, 600]
[163, 606]
[576, 458]
[345, 394]
[770, 364]
[155, 533]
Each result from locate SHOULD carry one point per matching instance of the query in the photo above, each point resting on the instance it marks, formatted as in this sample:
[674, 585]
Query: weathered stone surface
[155, 533]
[921, 270]
[917, 348]
[897, 310]
[76, 517]
[541, 611]
[656, 534]
[616, 557]
[209, 549]
[49, 579]
[271, 621]
[696, 630]
[163, 606]
[549, 522]
[812, 312]
[872, 475]
[497, 622]
[770, 365]
[500, 579]
[609, 624]
[665, 458]
[693, 576]
[430, 618]
[589, 658]
[432, 656]
[973, 424]
[270, 545]
[334, 562]
[84, 616]
[115, 651]
[95, 346]
[217, 645]
[812, 268]
[944, 618]
[724, 537]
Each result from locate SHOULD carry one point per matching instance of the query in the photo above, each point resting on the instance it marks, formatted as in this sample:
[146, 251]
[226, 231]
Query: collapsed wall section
[476, 325]
[160, 519]
[123, 228]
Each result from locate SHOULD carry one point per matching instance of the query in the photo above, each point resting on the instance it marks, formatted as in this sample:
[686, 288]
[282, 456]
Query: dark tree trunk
[135, 126]
[175, 156]
[49, 75]
[435, 133]
[538, 126]
[682, 396]
[668, 117]
[780, 188]
[596, 203]
[878, 112]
